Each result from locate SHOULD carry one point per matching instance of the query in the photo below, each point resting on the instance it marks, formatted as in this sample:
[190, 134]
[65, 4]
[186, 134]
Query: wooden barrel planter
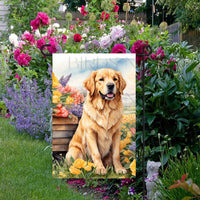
[63, 131]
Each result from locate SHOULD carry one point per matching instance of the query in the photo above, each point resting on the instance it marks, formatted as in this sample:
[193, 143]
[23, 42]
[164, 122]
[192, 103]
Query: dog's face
[106, 83]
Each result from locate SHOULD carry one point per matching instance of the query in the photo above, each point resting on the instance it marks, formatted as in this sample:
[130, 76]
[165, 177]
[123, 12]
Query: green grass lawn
[26, 169]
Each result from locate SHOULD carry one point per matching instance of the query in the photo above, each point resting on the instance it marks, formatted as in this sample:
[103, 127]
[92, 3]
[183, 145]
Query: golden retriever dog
[98, 132]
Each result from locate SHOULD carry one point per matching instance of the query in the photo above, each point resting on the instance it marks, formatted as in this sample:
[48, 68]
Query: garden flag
[94, 115]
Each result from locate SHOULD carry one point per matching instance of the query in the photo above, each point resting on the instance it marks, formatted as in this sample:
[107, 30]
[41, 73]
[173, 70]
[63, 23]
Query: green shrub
[172, 106]
[22, 12]
[188, 164]
[4, 70]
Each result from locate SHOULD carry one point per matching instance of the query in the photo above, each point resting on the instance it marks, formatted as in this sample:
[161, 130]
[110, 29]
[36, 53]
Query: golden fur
[98, 133]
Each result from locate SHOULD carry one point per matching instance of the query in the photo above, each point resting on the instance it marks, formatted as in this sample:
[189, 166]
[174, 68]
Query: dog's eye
[115, 79]
[101, 79]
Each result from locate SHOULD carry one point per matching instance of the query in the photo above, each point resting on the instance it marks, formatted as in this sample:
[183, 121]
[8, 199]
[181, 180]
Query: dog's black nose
[110, 86]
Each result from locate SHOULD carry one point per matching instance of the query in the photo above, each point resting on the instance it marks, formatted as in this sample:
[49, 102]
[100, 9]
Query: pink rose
[119, 48]
[16, 53]
[35, 23]
[117, 32]
[105, 42]
[40, 43]
[28, 37]
[24, 59]
[42, 19]
[83, 12]
[53, 47]
[45, 20]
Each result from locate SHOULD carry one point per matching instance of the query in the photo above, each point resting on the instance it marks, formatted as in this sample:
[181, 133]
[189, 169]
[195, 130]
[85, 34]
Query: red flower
[83, 12]
[138, 49]
[77, 37]
[116, 8]
[105, 15]
[119, 48]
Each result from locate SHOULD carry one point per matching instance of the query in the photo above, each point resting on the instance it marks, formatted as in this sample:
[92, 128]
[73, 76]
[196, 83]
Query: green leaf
[150, 119]
[187, 198]
[179, 125]
[191, 67]
[165, 158]
[158, 94]
[162, 84]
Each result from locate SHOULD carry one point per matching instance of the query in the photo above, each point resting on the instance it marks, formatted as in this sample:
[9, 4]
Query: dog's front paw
[121, 170]
[101, 170]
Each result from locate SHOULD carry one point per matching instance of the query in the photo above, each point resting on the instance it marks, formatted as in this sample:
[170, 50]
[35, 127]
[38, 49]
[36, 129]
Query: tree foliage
[22, 12]
[186, 11]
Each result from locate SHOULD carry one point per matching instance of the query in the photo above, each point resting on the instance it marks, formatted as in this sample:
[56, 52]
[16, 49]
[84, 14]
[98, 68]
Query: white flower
[84, 35]
[56, 25]
[11, 27]
[13, 38]
[117, 32]
[82, 46]
[37, 33]
[105, 42]
[61, 30]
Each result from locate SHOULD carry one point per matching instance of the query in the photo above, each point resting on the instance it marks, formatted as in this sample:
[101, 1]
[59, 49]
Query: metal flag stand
[144, 54]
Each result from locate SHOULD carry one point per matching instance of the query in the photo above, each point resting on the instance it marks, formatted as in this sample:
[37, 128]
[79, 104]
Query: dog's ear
[89, 83]
[122, 83]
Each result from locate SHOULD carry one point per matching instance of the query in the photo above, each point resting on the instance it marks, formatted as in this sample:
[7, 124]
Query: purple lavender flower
[64, 80]
[131, 191]
[76, 109]
[132, 147]
[30, 108]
